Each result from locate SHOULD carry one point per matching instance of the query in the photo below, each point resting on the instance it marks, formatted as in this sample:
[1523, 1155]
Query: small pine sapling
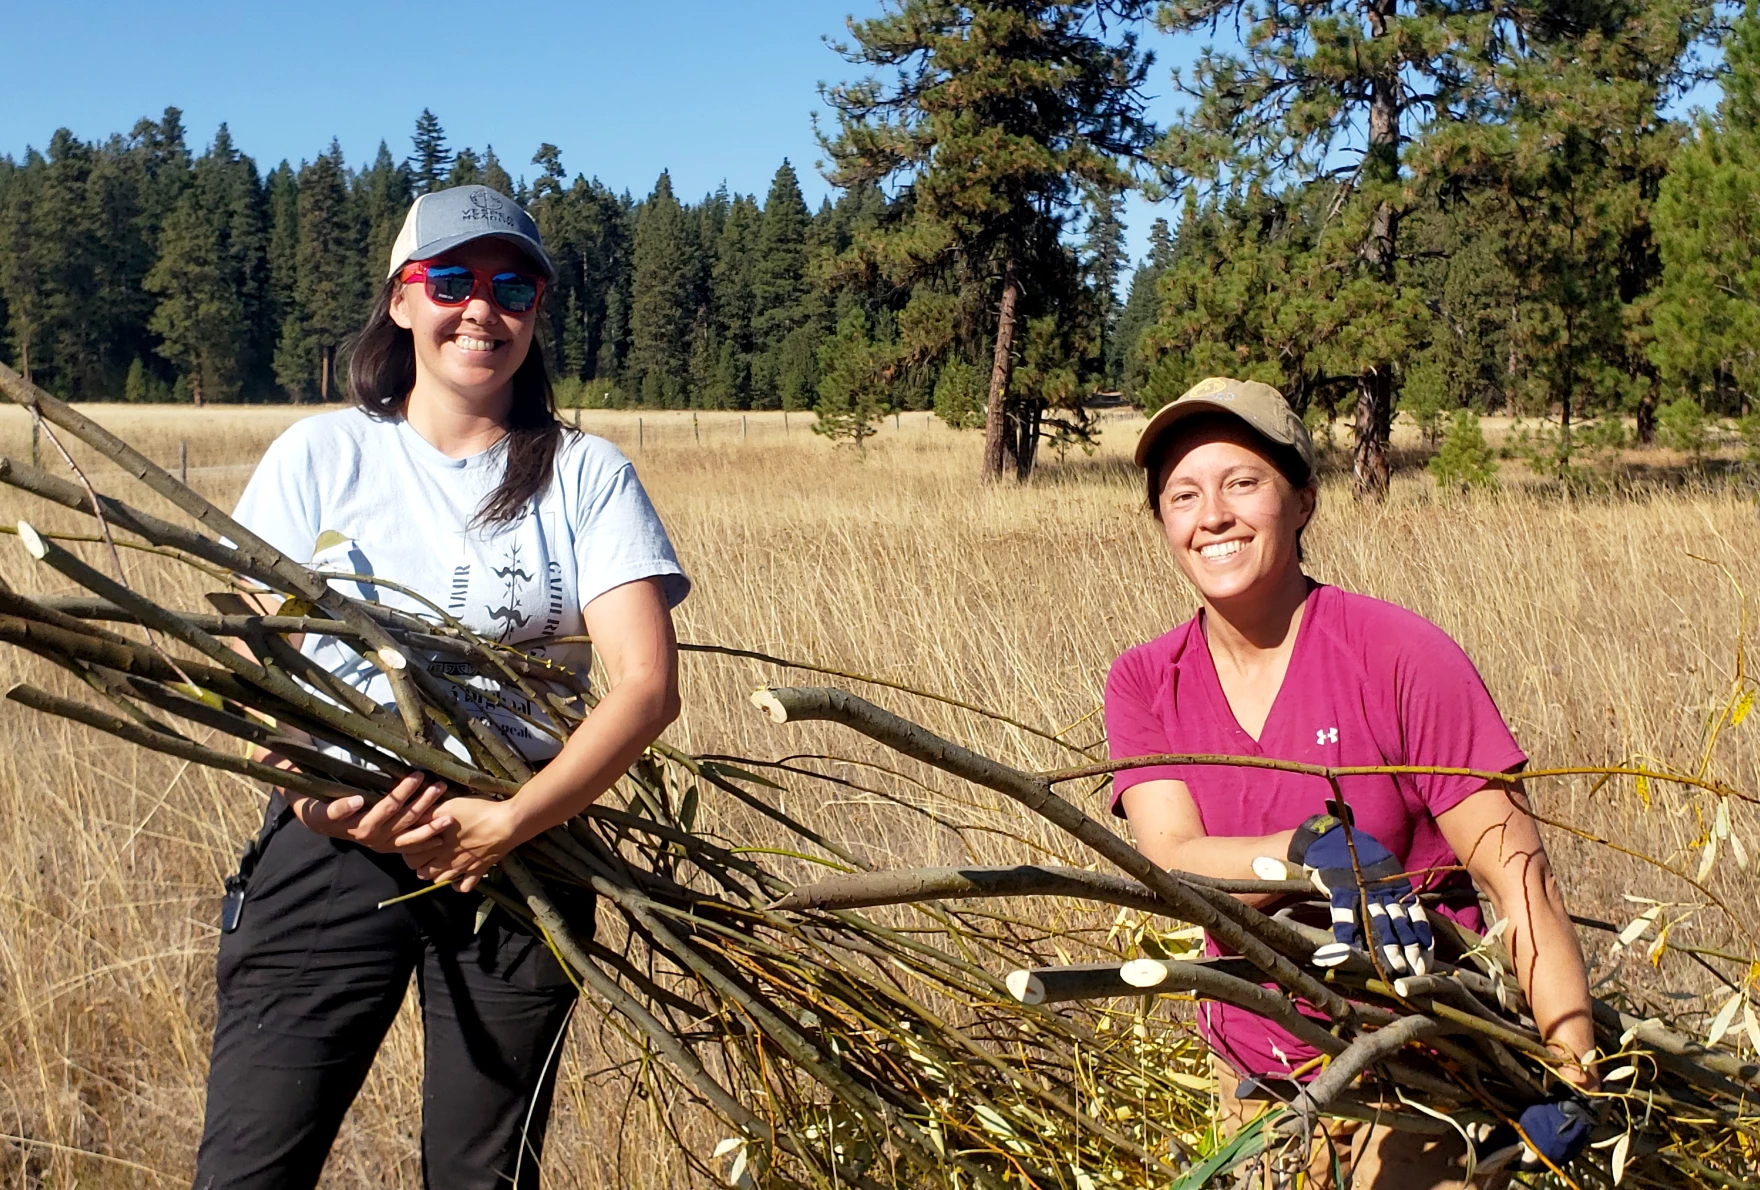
[1464, 460]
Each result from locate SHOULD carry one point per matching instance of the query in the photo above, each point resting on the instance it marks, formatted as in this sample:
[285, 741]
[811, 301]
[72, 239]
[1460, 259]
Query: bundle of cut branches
[837, 1050]
[1453, 1050]
[930, 1043]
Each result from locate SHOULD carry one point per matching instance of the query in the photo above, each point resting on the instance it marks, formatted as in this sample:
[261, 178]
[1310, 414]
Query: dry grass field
[1606, 627]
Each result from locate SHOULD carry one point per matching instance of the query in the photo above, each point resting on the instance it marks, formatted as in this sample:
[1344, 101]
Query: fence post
[742, 425]
[897, 420]
[36, 447]
[638, 435]
[577, 417]
[785, 421]
[696, 433]
[183, 460]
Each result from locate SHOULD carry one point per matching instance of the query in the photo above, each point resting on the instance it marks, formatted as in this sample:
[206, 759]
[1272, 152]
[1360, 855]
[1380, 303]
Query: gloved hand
[1396, 919]
[1559, 1130]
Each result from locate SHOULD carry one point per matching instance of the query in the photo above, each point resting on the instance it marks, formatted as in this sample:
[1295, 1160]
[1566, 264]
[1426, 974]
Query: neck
[1245, 628]
[455, 425]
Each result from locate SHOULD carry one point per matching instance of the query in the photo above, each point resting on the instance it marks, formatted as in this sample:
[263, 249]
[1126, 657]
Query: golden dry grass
[1606, 628]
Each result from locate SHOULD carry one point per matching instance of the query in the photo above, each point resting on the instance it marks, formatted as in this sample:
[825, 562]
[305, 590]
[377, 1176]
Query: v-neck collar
[1207, 670]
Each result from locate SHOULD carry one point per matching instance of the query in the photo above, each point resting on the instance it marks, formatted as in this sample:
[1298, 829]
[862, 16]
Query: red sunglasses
[455, 285]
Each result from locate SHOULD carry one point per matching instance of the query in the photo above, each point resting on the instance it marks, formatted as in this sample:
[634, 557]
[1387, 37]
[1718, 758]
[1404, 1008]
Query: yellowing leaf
[326, 539]
[1644, 791]
[1625, 1071]
[1752, 1025]
[1721, 827]
[1726, 1016]
[1619, 1157]
[1744, 704]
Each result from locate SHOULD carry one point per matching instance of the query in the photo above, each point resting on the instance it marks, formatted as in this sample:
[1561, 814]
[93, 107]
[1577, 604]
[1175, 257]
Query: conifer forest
[1494, 208]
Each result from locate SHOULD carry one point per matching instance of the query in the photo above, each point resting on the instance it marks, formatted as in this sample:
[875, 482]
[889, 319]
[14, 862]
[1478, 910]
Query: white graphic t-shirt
[347, 493]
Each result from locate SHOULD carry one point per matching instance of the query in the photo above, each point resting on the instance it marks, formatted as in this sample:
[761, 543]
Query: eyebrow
[1176, 477]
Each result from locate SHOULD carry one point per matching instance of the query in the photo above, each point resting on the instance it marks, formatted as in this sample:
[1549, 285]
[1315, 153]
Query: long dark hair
[382, 371]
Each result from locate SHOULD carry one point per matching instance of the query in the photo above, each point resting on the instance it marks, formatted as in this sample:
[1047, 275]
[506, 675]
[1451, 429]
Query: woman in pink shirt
[1277, 665]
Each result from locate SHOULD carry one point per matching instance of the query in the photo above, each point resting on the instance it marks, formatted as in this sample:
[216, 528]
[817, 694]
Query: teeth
[1220, 549]
[470, 344]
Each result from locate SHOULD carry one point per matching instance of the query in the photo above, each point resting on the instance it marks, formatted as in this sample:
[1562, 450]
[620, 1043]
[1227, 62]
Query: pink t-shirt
[1368, 683]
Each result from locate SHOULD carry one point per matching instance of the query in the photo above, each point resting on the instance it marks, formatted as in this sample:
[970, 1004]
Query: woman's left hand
[481, 835]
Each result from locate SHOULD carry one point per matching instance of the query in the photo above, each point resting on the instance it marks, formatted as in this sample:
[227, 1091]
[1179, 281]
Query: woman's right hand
[397, 821]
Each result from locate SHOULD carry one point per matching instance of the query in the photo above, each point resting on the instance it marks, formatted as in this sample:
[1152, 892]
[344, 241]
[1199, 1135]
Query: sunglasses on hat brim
[455, 285]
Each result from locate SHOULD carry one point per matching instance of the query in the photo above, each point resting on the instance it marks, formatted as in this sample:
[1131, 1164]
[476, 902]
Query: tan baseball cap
[1259, 405]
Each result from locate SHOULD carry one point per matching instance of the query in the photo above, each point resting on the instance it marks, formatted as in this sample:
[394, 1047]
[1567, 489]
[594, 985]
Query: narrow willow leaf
[1721, 827]
[687, 809]
[1752, 1024]
[725, 1147]
[1726, 1016]
[1707, 860]
[197, 693]
[1639, 925]
[1626, 1071]
[1620, 1150]
[1738, 850]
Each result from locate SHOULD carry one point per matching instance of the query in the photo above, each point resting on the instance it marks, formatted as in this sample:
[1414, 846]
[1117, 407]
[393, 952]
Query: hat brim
[1171, 415]
[534, 251]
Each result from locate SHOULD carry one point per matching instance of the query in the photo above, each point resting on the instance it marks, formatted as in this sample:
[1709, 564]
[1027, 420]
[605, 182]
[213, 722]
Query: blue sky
[713, 91]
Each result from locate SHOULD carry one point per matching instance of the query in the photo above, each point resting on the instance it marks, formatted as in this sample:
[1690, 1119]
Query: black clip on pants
[310, 981]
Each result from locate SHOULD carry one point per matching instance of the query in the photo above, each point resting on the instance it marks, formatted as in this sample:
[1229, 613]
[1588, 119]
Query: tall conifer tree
[329, 283]
[429, 161]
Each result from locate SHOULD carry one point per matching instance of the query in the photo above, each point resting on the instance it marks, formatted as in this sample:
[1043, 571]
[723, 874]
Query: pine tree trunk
[996, 428]
[1028, 415]
[1647, 415]
[326, 354]
[195, 387]
[1370, 465]
[1374, 422]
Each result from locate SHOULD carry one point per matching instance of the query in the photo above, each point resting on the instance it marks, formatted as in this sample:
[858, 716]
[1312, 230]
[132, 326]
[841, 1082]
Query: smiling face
[1231, 516]
[474, 349]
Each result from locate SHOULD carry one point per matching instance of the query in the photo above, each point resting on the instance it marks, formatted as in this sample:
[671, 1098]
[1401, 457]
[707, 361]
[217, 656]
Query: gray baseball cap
[1259, 405]
[441, 220]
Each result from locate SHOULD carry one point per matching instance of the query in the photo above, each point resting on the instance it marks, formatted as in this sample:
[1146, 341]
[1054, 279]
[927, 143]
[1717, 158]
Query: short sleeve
[618, 539]
[1133, 727]
[1448, 719]
[280, 503]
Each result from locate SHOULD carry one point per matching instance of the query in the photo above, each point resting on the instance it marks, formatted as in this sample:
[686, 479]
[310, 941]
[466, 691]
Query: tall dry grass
[1606, 628]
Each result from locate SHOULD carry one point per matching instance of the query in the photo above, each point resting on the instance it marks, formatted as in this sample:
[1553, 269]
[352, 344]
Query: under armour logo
[1326, 735]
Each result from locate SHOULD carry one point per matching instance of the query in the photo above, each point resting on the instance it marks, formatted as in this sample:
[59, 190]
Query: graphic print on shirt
[508, 615]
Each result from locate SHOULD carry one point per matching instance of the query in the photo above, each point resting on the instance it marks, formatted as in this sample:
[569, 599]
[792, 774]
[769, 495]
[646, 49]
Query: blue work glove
[1559, 1130]
[1391, 907]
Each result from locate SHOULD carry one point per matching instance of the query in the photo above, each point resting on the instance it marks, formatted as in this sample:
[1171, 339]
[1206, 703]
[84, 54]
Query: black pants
[309, 983]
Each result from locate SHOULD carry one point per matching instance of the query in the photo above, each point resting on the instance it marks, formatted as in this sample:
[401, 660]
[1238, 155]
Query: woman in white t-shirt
[451, 477]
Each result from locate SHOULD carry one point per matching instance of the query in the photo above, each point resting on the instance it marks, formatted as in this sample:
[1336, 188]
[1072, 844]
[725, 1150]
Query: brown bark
[996, 427]
[195, 387]
[1374, 422]
[1370, 466]
[326, 360]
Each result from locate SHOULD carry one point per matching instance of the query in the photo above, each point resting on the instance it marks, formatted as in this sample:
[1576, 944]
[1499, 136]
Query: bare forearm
[628, 718]
[1227, 857]
[1549, 965]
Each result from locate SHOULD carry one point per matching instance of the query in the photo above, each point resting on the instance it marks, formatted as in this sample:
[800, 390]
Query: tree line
[1372, 204]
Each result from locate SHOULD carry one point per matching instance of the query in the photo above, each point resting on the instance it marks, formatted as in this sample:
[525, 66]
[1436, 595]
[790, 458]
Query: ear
[1310, 502]
[399, 309]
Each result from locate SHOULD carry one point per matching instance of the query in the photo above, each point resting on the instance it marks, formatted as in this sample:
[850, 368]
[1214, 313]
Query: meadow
[1608, 627]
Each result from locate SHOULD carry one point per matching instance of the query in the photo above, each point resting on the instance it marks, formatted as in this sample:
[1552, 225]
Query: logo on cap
[485, 204]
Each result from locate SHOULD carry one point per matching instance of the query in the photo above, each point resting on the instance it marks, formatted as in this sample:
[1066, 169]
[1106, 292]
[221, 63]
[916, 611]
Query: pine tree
[200, 319]
[383, 193]
[853, 382]
[23, 267]
[430, 161]
[1103, 264]
[731, 301]
[999, 117]
[494, 176]
[1125, 358]
[1707, 316]
[329, 284]
[779, 287]
[467, 169]
[574, 340]
[664, 298]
